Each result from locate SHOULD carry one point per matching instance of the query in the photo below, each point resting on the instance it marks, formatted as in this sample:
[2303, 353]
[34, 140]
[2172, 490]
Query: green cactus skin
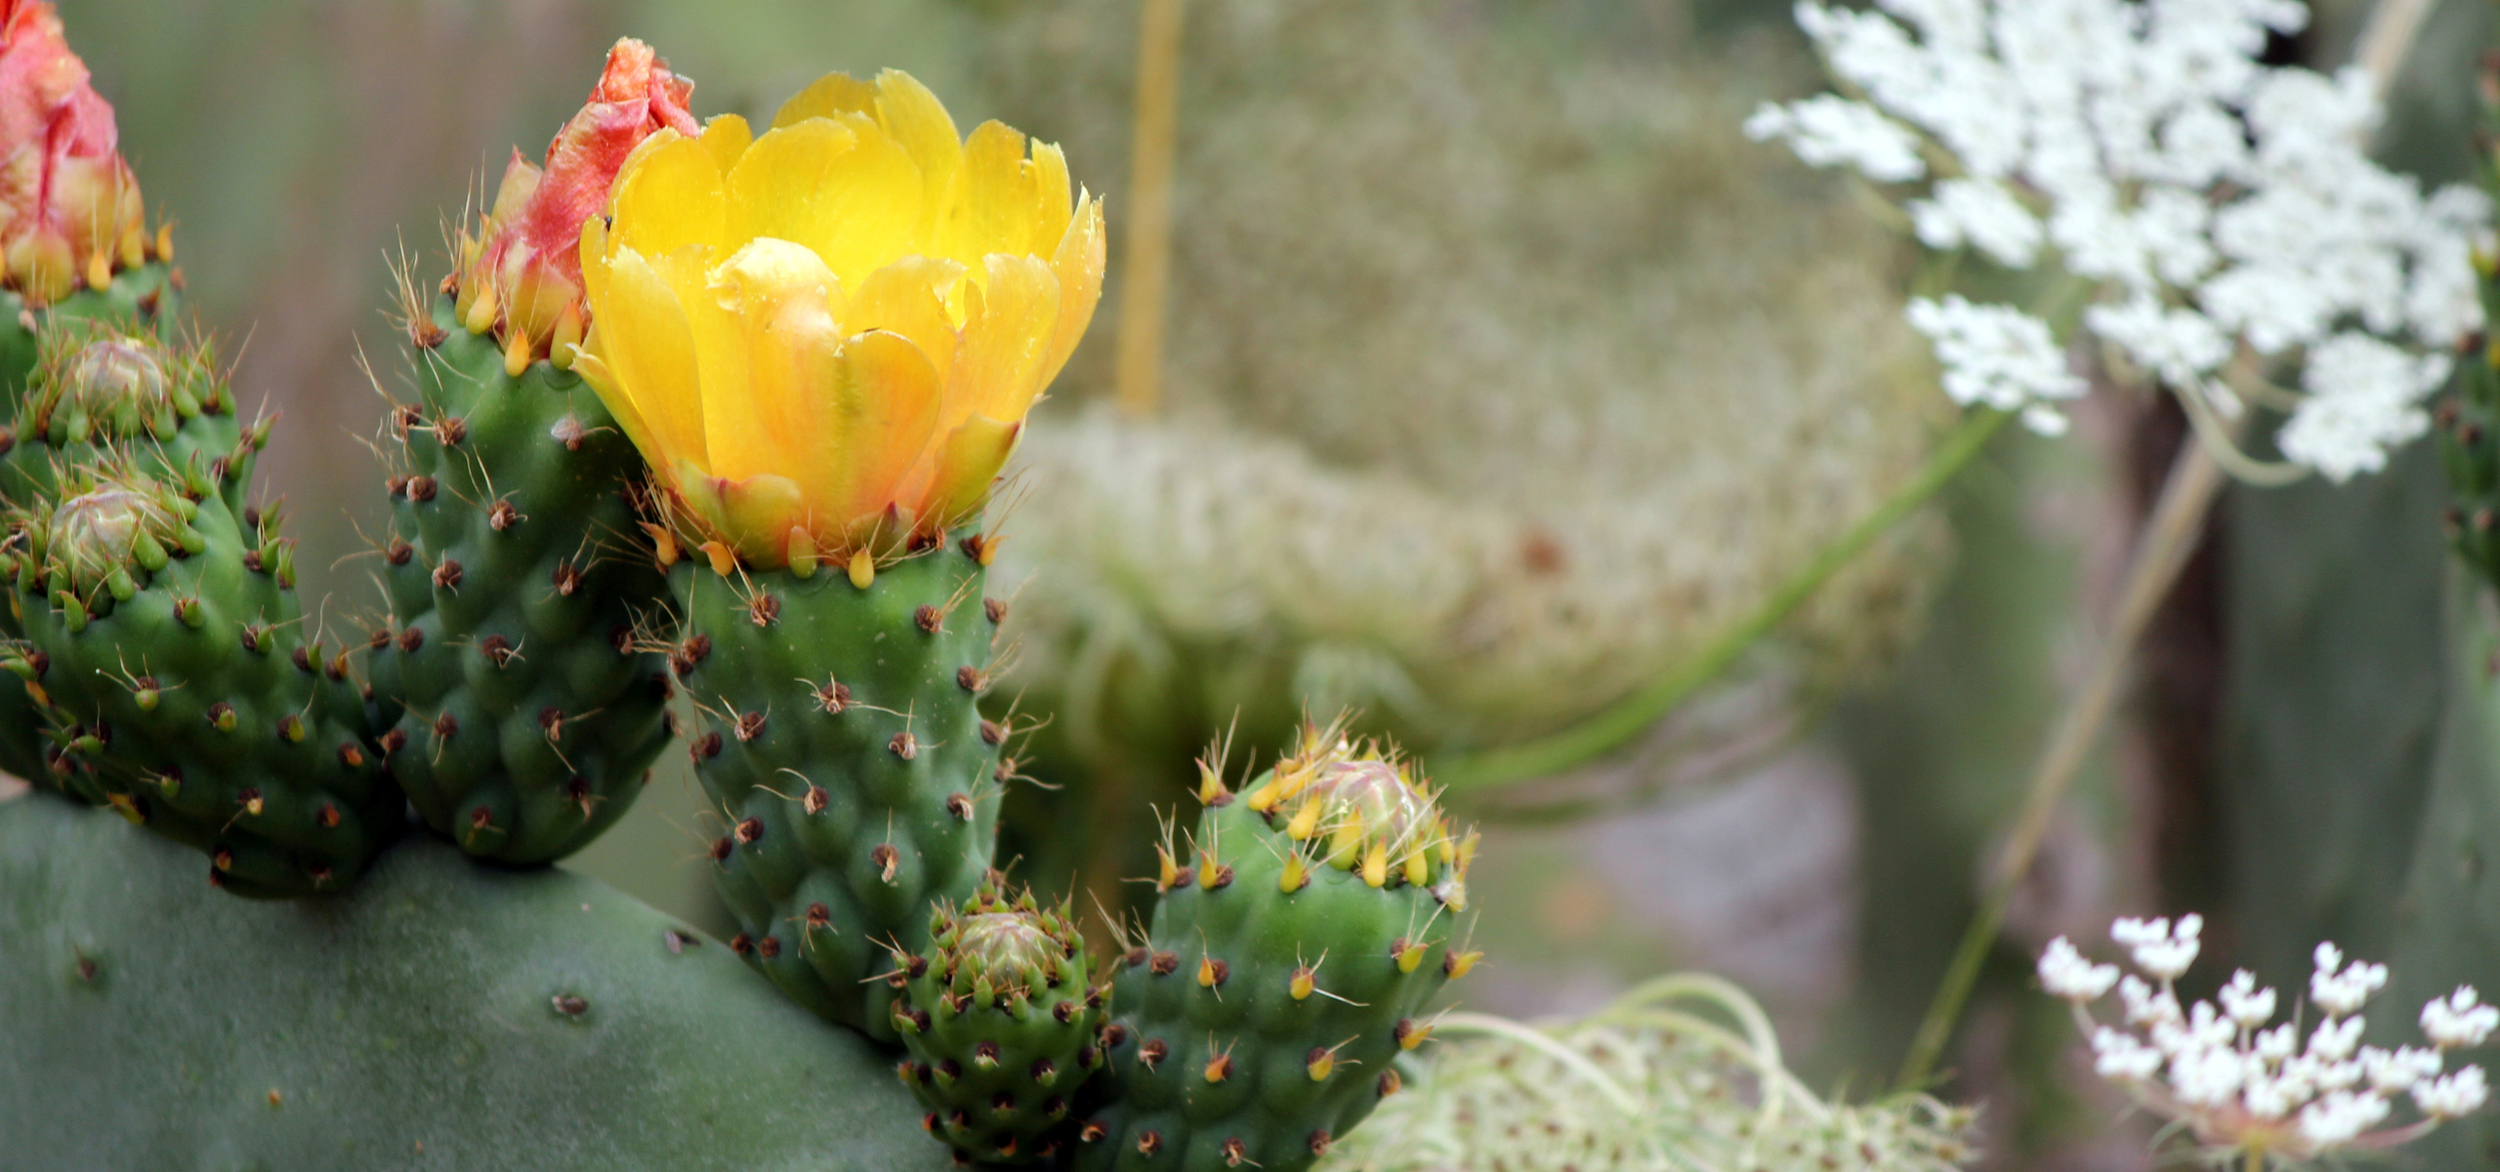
[1256, 1023]
[440, 1016]
[148, 296]
[1000, 1017]
[521, 716]
[841, 744]
[198, 707]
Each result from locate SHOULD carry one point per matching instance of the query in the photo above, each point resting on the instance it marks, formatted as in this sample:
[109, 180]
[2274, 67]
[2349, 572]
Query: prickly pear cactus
[525, 710]
[999, 1017]
[841, 740]
[165, 633]
[1289, 965]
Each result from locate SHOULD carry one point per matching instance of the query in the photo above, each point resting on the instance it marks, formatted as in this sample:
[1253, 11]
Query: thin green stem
[2169, 537]
[1629, 717]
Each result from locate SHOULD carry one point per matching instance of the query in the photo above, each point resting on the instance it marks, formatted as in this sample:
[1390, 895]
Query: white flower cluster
[2222, 208]
[2236, 1079]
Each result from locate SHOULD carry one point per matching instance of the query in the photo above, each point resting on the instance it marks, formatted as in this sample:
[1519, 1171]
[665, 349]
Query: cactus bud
[521, 270]
[69, 208]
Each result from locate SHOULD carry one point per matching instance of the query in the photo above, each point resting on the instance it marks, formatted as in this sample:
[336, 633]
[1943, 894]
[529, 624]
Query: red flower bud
[69, 208]
[522, 271]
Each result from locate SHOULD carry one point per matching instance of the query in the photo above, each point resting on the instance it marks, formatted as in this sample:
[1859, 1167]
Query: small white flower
[2121, 1055]
[2272, 1098]
[2178, 346]
[1829, 131]
[2161, 948]
[2247, 1004]
[2147, 1004]
[2452, 1095]
[2393, 1072]
[1982, 214]
[2364, 398]
[2340, 1117]
[2277, 1044]
[2334, 1040]
[1995, 354]
[2064, 972]
[2208, 1077]
[2459, 1019]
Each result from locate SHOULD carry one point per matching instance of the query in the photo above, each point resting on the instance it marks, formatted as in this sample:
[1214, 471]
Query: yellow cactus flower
[824, 338]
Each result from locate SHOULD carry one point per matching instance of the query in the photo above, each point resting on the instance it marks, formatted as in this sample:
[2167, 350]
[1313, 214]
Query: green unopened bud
[97, 538]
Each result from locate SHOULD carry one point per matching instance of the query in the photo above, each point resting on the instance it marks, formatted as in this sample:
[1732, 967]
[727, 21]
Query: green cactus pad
[442, 1016]
[841, 745]
[1288, 966]
[522, 717]
[1000, 1016]
[191, 698]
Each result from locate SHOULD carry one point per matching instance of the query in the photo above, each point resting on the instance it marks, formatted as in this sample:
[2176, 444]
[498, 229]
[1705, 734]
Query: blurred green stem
[2170, 535]
[1628, 718]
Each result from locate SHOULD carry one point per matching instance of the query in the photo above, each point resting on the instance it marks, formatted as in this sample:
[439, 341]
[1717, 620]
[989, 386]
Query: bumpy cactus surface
[1000, 1017]
[841, 740]
[526, 712]
[196, 703]
[1290, 962]
[524, 709]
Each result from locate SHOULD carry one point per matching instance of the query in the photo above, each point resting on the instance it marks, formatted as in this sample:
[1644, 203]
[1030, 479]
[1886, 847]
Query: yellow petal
[989, 204]
[594, 255]
[965, 465]
[671, 199]
[883, 407]
[909, 298]
[590, 363]
[830, 96]
[726, 137]
[753, 514]
[1078, 265]
[644, 341]
[918, 121]
[1010, 322]
[1049, 169]
[771, 309]
[845, 189]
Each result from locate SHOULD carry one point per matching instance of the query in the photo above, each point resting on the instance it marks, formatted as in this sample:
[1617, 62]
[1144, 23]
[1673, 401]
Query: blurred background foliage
[1501, 372]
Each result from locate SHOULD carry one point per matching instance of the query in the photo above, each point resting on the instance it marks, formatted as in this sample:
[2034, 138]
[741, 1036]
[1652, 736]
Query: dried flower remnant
[2247, 1087]
[2220, 213]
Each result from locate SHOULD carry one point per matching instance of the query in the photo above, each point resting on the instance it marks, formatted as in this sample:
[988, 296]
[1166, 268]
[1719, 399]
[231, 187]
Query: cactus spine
[842, 745]
[1288, 966]
[999, 1017]
[522, 715]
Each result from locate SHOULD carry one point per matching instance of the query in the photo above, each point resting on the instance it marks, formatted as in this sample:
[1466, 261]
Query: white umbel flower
[2225, 1076]
[2222, 207]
